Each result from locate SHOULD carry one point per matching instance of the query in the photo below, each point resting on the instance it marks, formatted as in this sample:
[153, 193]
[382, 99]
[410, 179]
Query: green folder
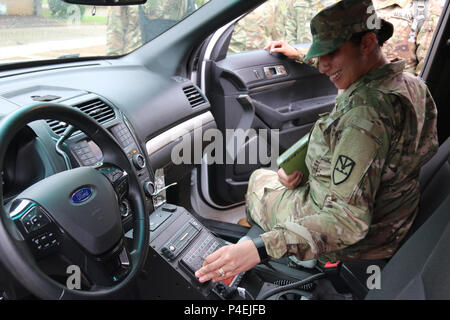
[294, 158]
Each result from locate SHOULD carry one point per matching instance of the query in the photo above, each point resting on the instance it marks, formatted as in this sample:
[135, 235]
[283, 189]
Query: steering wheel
[74, 214]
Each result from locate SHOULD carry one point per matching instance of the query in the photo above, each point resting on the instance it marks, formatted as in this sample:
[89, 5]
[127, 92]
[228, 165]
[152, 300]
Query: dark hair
[357, 38]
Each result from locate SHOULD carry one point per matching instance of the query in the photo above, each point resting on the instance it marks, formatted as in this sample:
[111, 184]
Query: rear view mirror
[106, 2]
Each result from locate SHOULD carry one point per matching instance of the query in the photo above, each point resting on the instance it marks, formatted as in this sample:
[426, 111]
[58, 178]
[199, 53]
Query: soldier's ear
[368, 44]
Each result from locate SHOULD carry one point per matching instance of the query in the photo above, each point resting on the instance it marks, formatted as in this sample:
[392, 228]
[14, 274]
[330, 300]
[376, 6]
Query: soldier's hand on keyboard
[229, 261]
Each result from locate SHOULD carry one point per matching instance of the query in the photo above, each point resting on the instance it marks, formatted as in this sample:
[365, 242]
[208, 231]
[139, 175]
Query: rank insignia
[342, 169]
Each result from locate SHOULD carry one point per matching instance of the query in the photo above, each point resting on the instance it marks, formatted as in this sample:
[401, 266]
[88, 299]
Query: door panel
[256, 90]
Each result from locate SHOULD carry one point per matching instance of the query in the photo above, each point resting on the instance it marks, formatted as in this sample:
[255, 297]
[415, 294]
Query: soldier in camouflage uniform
[409, 42]
[298, 16]
[125, 23]
[275, 19]
[363, 157]
[123, 34]
[257, 28]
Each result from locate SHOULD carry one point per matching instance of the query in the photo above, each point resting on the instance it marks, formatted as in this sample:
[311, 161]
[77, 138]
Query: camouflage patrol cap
[336, 24]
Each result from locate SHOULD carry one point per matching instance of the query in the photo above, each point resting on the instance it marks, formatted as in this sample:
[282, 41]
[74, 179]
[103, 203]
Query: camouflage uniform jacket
[258, 28]
[406, 43]
[123, 33]
[364, 160]
[298, 16]
[124, 30]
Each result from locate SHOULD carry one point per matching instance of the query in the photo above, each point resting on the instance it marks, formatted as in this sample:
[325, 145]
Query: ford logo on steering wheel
[81, 195]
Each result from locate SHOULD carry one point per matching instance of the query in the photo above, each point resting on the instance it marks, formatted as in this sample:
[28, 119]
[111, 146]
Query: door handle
[275, 71]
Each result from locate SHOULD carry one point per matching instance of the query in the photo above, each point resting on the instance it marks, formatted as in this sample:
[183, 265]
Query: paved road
[41, 38]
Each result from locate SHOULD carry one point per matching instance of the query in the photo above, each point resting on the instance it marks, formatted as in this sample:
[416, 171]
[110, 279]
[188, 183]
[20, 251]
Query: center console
[179, 243]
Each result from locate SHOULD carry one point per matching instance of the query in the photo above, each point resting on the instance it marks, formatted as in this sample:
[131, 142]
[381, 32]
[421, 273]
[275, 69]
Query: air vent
[194, 96]
[57, 126]
[96, 109]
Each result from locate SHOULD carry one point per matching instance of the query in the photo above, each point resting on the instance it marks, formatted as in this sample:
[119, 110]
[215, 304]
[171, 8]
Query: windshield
[33, 30]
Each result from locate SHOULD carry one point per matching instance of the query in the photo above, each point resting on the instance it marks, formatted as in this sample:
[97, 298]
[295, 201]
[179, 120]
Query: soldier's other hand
[291, 181]
[283, 47]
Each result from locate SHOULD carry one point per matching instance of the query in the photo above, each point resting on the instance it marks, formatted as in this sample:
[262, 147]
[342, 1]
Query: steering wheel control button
[125, 209]
[113, 174]
[45, 241]
[122, 188]
[34, 220]
[26, 223]
[119, 180]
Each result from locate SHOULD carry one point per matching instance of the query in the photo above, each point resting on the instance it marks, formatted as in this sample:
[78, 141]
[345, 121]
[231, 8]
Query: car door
[269, 98]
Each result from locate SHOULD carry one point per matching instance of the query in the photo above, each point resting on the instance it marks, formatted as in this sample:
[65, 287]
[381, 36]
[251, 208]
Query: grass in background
[93, 19]
[87, 18]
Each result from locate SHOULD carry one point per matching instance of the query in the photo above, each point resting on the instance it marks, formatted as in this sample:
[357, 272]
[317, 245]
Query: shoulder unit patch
[342, 169]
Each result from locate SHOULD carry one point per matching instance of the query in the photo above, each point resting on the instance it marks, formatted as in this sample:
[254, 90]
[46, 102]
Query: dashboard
[137, 113]
[35, 152]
